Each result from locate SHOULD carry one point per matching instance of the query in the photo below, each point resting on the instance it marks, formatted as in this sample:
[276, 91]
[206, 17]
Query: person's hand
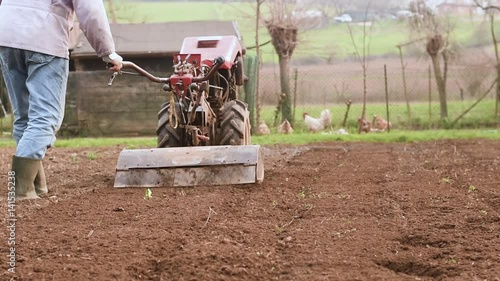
[114, 62]
[116, 65]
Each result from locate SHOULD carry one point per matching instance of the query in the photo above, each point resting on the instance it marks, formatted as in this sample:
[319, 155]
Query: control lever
[110, 82]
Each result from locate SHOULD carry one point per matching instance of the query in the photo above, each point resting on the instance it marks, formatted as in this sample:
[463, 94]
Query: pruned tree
[283, 28]
[436, 32]
[490, 10]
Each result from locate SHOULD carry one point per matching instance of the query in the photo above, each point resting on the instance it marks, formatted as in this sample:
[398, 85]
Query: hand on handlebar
[115, 65]
[114, 61]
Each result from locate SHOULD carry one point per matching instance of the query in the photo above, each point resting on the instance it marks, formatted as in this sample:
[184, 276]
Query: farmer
[34, 61]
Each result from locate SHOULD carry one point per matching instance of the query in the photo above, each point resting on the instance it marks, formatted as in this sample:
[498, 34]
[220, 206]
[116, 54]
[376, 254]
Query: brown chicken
[285, 128]
[365, 125]
[380, 123]
[263, 129]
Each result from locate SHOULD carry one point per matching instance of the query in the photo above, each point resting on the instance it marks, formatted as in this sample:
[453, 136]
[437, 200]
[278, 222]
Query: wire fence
[407, 97]
[6, 118]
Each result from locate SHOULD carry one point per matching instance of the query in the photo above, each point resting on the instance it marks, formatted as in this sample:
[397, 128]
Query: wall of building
[127, 108]
[162, 64]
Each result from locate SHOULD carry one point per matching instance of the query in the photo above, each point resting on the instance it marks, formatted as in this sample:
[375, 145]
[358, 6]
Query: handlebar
[128, 64]
[217, 64]
[218, 61]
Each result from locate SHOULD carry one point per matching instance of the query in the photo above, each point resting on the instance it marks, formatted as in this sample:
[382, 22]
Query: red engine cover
[210, 47]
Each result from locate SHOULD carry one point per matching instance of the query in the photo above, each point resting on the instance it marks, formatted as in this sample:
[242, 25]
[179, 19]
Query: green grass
[131, 11]
[393, 136]
[481, 116]
[95, 142]
[295, 138]
[332, 41]
[477, 119]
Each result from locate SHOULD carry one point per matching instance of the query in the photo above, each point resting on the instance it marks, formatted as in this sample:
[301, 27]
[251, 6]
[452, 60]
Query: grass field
[481, 115]
[295, 138]
[332, 41]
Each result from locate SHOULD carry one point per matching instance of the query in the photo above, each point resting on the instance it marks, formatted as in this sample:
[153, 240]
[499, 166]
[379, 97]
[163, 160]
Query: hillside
[329, 43]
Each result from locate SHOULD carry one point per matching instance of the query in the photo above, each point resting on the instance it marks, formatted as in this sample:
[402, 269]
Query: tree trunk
[111, 9]
[405, 86]
[286, 100]
[441, 85]
[497, 57]
[257, 50]
[497, 104]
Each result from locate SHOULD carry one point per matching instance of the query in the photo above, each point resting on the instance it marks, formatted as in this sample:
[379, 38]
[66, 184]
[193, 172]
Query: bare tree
[436, 31]
[283, 28]
[403, 71]
[112, 11]
[362, 57]
[490, 10]
[259, 60]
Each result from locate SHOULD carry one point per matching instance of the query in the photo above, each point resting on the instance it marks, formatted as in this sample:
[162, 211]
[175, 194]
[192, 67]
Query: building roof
[156, 38]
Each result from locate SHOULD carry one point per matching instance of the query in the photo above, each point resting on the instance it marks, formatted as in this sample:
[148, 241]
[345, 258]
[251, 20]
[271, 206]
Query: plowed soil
[328, 211]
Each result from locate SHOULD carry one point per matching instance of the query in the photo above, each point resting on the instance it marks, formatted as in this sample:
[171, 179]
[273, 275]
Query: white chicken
[326, 116]
[318, 124]
[285, 128]
[263, 129]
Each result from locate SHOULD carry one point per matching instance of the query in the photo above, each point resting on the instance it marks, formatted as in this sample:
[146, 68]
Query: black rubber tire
[239, 76]
[166, 135]
[234, 125]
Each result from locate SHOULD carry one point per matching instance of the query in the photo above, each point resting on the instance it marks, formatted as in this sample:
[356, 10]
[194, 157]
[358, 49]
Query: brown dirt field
[329, 211]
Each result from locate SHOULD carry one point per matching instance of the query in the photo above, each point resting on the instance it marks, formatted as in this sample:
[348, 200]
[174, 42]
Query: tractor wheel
[167, 135]
[234, 124]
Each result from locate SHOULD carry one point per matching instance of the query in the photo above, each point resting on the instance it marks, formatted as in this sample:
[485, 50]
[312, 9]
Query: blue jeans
[36, 84]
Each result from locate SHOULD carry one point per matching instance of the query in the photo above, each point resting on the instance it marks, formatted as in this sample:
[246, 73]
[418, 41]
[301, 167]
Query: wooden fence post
[430, 97]
[387, 98]
[295, 78]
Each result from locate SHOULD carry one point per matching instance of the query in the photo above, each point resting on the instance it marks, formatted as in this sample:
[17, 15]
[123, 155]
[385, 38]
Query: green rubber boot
[41, 182]
[26, 170]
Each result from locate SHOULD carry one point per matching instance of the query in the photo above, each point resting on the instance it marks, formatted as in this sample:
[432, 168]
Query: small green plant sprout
[278, 229]
[452, 260]
[91, 155]
[308, 206]
[344, 196]
[148, 194]
[73, 157]
[274, 203]
[301, 194]
[472, 188]
[446, 180]
[483, 212]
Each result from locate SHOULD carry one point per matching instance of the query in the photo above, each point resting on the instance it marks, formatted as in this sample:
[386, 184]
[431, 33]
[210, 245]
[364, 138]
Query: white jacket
[43, 25]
